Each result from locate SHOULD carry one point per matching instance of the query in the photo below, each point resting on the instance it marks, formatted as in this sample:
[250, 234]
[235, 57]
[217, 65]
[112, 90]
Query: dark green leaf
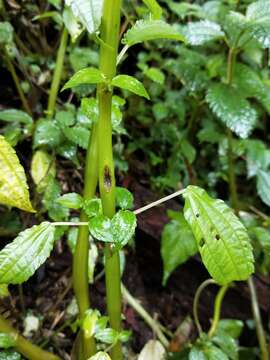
[24, 255]
[232, 327]
[232, 108]
[258, 16]
[6, 33]
[13, 115]
[79, 135]
[227, 344]
[92, 207]
[155, 9]
[9, 355]
[46, 133]
[221, 238]
[177, 244]
[130, 83]
[198, 33]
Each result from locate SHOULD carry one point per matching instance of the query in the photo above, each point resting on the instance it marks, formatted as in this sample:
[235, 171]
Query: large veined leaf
[222, 239]
[13, 185]
[198, 33]
[177, 244]
[88, 12]
[24, 255]
[145, 30]
[258, 16]
[263, 186]
[232, 109]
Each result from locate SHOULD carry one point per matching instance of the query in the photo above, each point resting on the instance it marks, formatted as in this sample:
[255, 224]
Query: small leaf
[88, 75]
[177, 244]
[72, 24]
[199, 33]
[196, 354]
[88, 13]
[9, 355]
[24, 255]
[258, 156]
[214, 353]
[7, 341]
[71, 201]
[118, 230]
[152, 350]
[101, 355]
[92, 207]
[14, 115]
[263, 186]
[42, 168]
[79, 135]
[232, 109]
[130, 83]
[123, 226]
[89, 323]
[101, 228]
[124, 198]
[46, 133]
[222, 240]
[145, 30]
[13, 185]
[155, 74]
[227, 344]
[107, 336]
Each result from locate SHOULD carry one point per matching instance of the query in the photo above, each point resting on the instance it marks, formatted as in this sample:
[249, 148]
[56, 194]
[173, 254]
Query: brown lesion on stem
[107, 178]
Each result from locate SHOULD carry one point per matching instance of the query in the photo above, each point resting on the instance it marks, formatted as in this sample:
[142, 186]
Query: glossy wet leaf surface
[198, 33]
[222, 240]
[24, 255]
[130, 83]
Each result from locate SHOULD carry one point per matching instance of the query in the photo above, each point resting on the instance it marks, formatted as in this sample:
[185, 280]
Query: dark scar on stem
[107, 178]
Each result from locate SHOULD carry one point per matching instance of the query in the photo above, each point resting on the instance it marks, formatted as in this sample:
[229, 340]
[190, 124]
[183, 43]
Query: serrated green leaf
[6, 33]
[88, 75]
[13, 185]
[199, 33]
[56, 211]
[196, 354]
[130, 83]
[258, 156]
[24, 255]
[101, 355]
[258, 16]
[232, 109]
[7, 340]
[118, 230]
[79, 135]
[222, 240]
[71, 201]
[263, 186]
[145, 30]
[46, 133]
[124, 198]
[42, 168]
[184, 9]
[123, 226]
[64, 119]
[155, 9]
[14, 115]
[177, 244]
[88, 12]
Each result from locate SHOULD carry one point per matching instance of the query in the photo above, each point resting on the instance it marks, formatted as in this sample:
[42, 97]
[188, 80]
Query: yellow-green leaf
[13, 186]
[42, 167]
[222, 239]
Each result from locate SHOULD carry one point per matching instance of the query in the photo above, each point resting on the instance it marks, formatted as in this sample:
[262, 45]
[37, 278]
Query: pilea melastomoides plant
[213, 228]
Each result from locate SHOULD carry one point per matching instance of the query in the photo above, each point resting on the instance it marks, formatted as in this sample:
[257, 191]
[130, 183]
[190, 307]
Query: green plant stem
[258, 321]
[23, 346]
[57, 73]
[217, 309]
[196, 302]
[231, 164]
[155, 326]
[110, 26]
[80, 259]
[16, 80]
